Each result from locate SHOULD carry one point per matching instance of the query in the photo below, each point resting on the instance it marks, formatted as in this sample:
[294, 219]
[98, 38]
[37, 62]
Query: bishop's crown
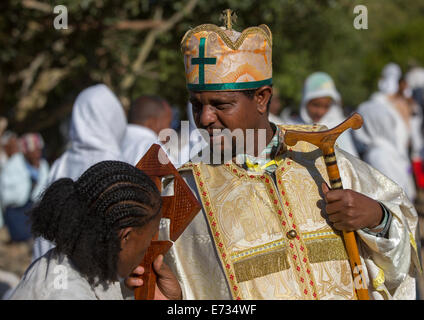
[222, 59]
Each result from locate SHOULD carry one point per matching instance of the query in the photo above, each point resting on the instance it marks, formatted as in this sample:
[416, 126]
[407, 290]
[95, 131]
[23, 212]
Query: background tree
[133, 46]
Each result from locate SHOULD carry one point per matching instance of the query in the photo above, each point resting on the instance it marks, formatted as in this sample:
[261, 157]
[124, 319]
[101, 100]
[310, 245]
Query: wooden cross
[180, 208]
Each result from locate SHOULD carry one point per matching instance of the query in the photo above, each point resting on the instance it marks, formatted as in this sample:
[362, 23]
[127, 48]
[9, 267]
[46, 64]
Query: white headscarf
[97, 128]
[319, 85]
[389, 80]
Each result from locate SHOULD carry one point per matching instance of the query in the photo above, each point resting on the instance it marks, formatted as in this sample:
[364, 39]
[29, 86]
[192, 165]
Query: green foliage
[308, 36]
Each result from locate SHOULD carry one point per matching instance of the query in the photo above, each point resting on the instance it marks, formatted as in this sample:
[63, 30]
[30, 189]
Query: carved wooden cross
[180, 208]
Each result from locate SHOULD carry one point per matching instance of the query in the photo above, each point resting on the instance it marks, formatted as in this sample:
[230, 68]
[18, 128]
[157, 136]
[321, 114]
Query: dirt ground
[14, 257]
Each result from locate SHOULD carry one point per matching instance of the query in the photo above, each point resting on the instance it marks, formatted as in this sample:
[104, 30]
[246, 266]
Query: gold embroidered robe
[265, 237]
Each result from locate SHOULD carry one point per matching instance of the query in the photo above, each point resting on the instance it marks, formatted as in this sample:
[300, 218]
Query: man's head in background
[152, 112]
[31, 145]
[9, 143]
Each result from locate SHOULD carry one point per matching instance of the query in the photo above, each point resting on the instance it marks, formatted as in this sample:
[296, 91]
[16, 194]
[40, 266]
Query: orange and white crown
[222, 59]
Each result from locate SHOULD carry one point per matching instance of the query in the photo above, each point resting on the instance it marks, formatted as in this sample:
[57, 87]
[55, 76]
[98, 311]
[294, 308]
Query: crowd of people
[94, 213]
[391, 139]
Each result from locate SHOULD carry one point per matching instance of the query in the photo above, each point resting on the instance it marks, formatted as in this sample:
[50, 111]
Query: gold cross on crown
[229, 17]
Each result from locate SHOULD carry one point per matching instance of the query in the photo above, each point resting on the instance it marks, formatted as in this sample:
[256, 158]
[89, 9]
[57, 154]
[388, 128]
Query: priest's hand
[167, 285]
[349, 210]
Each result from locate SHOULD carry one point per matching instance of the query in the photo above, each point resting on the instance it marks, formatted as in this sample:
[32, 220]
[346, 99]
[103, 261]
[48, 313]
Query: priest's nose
[207, 116]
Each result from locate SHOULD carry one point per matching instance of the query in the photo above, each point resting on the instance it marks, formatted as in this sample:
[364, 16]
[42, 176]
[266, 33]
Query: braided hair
[83, 217]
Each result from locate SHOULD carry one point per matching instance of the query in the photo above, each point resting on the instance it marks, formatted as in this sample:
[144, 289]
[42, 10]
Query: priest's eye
[222, 106]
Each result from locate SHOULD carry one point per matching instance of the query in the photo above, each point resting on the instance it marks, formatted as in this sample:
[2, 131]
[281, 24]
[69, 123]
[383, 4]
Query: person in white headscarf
[98, 126]
[321, 104]
[385, 141]
[391, 129]
[390, 75]
[147, 117]
[22, 180]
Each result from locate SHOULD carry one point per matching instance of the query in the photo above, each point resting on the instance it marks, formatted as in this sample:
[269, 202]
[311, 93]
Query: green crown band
[229, 86]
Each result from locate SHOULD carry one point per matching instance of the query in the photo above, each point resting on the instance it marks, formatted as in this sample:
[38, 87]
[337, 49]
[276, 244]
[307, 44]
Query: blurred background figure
[415, 80]
[321, 104]
[275, 108]
[391, 138]
[3, 141]
[147, 117]
[22, 180]
[98, 126]
[8, 147]
[191, 142]
[389, 79]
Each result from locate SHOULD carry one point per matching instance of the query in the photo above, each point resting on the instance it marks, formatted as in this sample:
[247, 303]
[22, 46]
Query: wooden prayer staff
[325, 141]
[180, 208]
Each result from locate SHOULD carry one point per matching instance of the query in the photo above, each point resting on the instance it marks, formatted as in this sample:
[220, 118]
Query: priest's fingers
[335, 217]
[334, 207]
[162, 268]
[158, 263]
[344, 219]
[332, 195]
[344, 226]
[167, 284]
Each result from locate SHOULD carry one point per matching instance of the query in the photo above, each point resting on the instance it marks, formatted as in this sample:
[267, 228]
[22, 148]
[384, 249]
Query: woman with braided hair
[101, 224]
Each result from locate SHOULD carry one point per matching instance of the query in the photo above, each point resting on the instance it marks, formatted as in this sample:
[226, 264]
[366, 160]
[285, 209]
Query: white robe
[137, 141]
[54, 277]
[195, 259]
[15, 182]
[98, 126]
[384, 139]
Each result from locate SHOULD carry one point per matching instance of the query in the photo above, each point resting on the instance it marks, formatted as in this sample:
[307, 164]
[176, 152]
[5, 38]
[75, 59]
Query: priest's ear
[263, 97]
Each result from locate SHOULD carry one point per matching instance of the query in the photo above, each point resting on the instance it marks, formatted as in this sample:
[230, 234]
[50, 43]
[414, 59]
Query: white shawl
[97, 128]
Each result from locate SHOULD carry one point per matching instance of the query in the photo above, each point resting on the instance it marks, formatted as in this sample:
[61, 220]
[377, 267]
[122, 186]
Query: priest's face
[215, 111]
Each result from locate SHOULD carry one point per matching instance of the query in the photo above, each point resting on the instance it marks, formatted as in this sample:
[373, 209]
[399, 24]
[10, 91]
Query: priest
[270, 227]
